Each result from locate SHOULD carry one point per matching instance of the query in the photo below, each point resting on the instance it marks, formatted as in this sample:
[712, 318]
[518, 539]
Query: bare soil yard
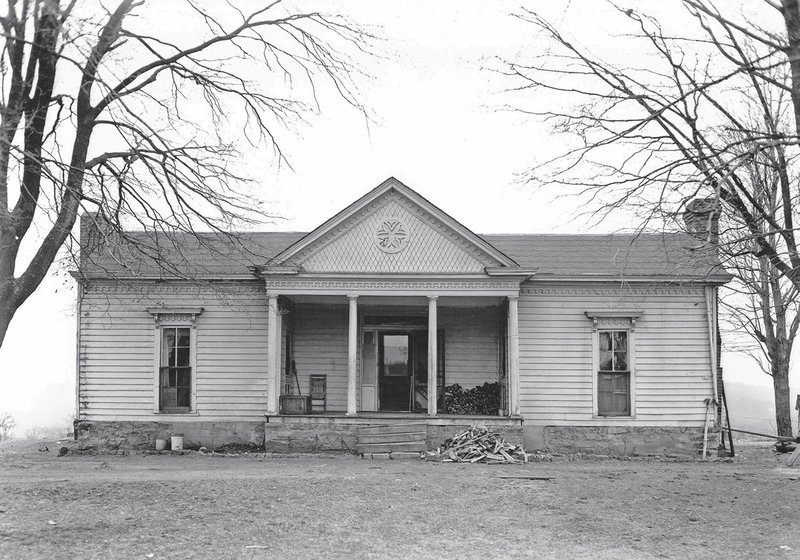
[342, 507]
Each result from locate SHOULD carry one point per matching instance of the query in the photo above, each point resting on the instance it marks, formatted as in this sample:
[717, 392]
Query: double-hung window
[175, 385]
[613, 349]
[175, 342]
[614, 374]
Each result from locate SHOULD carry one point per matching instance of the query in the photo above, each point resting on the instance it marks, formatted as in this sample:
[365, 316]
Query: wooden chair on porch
[318, 385]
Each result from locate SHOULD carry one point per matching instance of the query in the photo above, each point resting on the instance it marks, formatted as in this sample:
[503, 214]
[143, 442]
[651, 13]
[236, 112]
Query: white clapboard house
[393, 318]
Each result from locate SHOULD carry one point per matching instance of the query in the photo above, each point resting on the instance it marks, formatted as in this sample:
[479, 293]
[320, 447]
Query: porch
[391, 307]
[365, 355]
[424, 366]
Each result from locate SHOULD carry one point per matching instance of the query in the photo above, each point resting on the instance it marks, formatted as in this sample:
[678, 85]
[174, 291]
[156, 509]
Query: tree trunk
[783, 405]
[7, 311]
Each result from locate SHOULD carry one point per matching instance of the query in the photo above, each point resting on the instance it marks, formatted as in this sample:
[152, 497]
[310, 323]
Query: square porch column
[352, 352]
[432, 358]
[273, 365]
[513, 356]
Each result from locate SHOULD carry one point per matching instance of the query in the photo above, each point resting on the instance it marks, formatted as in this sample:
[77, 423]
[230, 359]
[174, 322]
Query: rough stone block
[624, 440]
[404, 455]
[106, 436]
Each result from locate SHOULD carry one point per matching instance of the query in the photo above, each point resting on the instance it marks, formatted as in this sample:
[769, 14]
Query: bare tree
[712, 114]
[100, 111]
[7, 425]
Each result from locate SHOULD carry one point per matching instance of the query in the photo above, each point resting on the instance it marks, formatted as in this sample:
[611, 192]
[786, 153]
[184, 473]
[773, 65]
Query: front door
[395, 370]
[403, 370]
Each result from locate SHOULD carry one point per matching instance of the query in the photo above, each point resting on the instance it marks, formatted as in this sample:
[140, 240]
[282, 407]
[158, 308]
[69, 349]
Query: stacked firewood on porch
[478, 445]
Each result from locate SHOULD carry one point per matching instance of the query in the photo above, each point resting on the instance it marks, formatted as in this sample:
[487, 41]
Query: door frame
[408, 333]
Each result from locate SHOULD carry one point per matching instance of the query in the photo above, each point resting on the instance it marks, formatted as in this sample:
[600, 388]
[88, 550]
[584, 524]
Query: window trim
[614, 320]
[172, 317]
[612, 371]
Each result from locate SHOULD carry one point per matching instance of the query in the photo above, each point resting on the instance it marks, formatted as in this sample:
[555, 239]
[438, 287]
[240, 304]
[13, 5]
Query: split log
[478, 445]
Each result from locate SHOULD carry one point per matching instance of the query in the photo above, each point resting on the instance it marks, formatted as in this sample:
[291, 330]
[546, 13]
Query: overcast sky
[438, 127]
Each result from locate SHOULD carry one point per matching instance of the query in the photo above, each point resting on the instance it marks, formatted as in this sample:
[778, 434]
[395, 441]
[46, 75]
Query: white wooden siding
[117, 362]
[320, 348]
[672, 358]
[471, 345]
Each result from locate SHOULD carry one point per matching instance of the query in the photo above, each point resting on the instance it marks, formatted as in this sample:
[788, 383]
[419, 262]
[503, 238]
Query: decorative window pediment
[614, 318]
[177, 315]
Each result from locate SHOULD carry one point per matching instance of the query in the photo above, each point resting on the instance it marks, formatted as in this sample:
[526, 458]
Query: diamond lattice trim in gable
[392, 235]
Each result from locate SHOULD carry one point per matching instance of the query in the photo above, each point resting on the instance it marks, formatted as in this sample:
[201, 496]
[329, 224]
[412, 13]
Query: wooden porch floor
[396, 416]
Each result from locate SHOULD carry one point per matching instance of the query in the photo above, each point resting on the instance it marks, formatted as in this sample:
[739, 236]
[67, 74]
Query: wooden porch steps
[391, 447]
[391, 429]
[392, 438]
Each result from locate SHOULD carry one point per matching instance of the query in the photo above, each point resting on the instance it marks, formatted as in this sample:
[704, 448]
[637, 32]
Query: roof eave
[77, 275]
[712, 279]
[525, 271]
[267, 270]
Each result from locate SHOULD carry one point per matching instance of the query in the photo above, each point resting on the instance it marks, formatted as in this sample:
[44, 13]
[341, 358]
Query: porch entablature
[476, 286]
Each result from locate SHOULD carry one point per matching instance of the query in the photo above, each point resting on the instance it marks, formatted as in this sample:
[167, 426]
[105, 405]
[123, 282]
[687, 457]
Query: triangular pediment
[391, 230]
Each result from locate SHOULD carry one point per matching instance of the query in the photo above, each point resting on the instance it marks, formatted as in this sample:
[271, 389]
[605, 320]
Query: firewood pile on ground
[478, 445]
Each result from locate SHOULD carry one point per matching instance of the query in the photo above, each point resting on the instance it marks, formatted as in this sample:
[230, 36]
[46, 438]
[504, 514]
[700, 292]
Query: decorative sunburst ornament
[391, 236]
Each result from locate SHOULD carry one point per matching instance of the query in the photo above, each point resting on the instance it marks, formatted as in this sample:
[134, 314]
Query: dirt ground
[342, 507]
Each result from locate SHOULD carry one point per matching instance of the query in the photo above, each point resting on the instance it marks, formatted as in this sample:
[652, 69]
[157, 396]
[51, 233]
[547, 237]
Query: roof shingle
[656, 255]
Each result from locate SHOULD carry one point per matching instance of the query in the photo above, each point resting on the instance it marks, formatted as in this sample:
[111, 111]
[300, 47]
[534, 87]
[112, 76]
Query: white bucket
[177, 442]
[161, 444]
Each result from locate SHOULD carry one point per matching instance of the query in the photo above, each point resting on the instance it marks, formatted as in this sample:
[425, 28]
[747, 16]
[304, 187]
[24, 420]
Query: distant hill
[752, 407]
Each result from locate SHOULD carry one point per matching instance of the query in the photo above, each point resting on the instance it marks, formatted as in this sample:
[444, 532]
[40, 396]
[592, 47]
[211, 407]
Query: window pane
[167, 398]
[613, 398]
[182, 358]
[183, 398]
[620, 404]
[183, 337]
[395, 354]
[169, 337]
[605, 360]
[605, 402]
[167, 343]
[173, 377]
[164, 377]
[184, 377]
[620, 341]
[620, 361]
[605, 341]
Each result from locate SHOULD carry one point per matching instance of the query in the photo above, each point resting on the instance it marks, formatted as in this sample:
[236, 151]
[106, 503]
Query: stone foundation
[138, 436]
[318, 433]
[620, 440]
